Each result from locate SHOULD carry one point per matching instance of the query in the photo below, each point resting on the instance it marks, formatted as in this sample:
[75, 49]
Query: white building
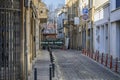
[115, 28]
[101, 26]
[60, 26]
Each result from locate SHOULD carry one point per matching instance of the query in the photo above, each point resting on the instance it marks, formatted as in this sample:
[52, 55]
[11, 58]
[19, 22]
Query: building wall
[98, 3]
[115, 29]
[11, 39]
[115, 15]
[101, 28]
[113, 36]
[60, 23]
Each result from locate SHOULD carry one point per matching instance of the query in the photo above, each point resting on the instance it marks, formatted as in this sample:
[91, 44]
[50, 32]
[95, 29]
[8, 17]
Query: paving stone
[75, 66]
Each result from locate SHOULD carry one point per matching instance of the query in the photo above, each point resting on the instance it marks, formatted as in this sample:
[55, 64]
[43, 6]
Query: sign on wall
[85, 16]
[85, 13]
[76, 21]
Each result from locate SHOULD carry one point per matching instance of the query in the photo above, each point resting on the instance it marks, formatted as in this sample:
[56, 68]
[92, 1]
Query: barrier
[35, 73]
[51, 66]
[106, 62]
[111, 61]
[50, 72]
[102, 58]
[98, 56]
[116, 65]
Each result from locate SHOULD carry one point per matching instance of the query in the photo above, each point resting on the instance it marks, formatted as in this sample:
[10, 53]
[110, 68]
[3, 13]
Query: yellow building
[33, 17]
[80, 35]
[72, 6]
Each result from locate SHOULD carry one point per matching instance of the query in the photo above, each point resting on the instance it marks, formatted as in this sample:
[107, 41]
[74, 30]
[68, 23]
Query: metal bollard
[82, 51]
[102, 59]
[98, 56]
[116, 65]
[35, 73]
[53, 69]
[50, 72]
[106, 62]
[85, 52]
[111, 62]
[51, 57]
[92, 55]
[95, 56]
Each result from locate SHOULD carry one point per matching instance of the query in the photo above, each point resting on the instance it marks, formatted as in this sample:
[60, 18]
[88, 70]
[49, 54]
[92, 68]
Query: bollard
[85, 52]
[116, 65]
[111, 62]
[95, 56]
[89, 54]
[98, 56]
[82, 50]
[50, 72]
[53, 69]
[51, 57]
[102, 59]
[92, 55]
[35, 73]
[106, 62]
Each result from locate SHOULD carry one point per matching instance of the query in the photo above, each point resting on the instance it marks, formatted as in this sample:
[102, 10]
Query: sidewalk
[41, 63]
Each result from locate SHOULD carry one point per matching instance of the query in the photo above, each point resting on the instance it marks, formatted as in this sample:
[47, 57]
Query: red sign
[85, 16]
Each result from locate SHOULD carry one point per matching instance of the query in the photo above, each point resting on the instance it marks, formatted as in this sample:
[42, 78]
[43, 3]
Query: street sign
[85, 11]
[85, 16]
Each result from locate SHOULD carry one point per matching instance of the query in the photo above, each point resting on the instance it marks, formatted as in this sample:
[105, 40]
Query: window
[117, 3]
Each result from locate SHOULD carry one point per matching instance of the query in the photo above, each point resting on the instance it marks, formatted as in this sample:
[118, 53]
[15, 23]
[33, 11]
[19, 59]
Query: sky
[55, 3]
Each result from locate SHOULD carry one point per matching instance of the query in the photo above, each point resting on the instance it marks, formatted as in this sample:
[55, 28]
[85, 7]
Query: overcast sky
[55, 3]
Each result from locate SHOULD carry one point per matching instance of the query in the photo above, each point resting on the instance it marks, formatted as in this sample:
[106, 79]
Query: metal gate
[10, 39]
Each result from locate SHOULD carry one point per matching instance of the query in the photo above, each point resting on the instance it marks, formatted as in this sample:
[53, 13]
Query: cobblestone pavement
[75, 66]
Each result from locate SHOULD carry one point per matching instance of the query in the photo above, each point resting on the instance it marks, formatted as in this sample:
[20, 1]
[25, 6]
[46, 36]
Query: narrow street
[59, 39]
[75, 66]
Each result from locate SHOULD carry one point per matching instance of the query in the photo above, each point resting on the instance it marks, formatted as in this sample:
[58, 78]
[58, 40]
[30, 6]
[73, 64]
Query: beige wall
[98, 3]
[43, 12]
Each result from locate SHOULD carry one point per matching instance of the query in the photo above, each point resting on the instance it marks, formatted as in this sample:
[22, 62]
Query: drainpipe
[27, 6]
